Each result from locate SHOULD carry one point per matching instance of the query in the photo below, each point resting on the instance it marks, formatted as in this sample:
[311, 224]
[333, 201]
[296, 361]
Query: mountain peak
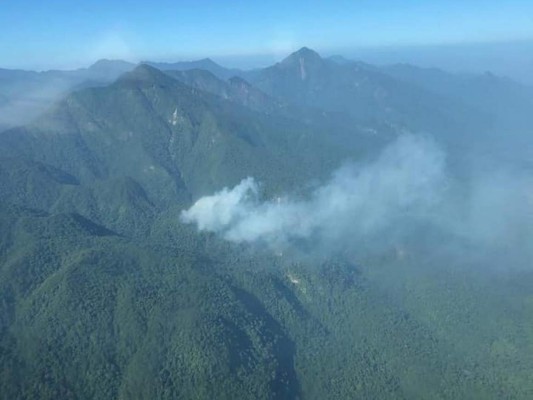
[307, 51]
[146, 69]
[144, 73]
[305, 61]
[110, 69]
[207, 61]
[107, 63]
[306, 54]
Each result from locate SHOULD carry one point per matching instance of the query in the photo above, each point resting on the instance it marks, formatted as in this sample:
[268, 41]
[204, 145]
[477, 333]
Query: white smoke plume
[403, 199]
[405, 182]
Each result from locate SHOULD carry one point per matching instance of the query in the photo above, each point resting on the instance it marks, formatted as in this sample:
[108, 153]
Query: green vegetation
[105, 294]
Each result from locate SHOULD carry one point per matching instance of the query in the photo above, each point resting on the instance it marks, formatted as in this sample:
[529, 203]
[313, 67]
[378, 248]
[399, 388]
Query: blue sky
[63, 34]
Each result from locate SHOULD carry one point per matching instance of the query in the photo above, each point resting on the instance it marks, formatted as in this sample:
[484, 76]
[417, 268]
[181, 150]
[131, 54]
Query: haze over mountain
[319, 228]
[510, 58]
[27, 94]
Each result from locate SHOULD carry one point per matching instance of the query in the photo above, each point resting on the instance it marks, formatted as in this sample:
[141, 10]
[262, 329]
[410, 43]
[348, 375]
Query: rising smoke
[405, 182]
[402, 194]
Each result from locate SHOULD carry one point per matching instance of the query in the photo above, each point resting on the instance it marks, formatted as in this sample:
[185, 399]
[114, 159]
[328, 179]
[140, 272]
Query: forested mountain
[105, 291]
[307, 79]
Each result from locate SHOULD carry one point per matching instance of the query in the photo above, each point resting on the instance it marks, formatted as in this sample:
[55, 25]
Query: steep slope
[31, 184]
[234, 89]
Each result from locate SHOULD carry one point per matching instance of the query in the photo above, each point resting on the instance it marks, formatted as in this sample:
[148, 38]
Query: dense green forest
[105, 293]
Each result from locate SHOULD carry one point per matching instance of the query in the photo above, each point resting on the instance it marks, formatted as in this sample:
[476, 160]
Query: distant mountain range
[303, 78]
